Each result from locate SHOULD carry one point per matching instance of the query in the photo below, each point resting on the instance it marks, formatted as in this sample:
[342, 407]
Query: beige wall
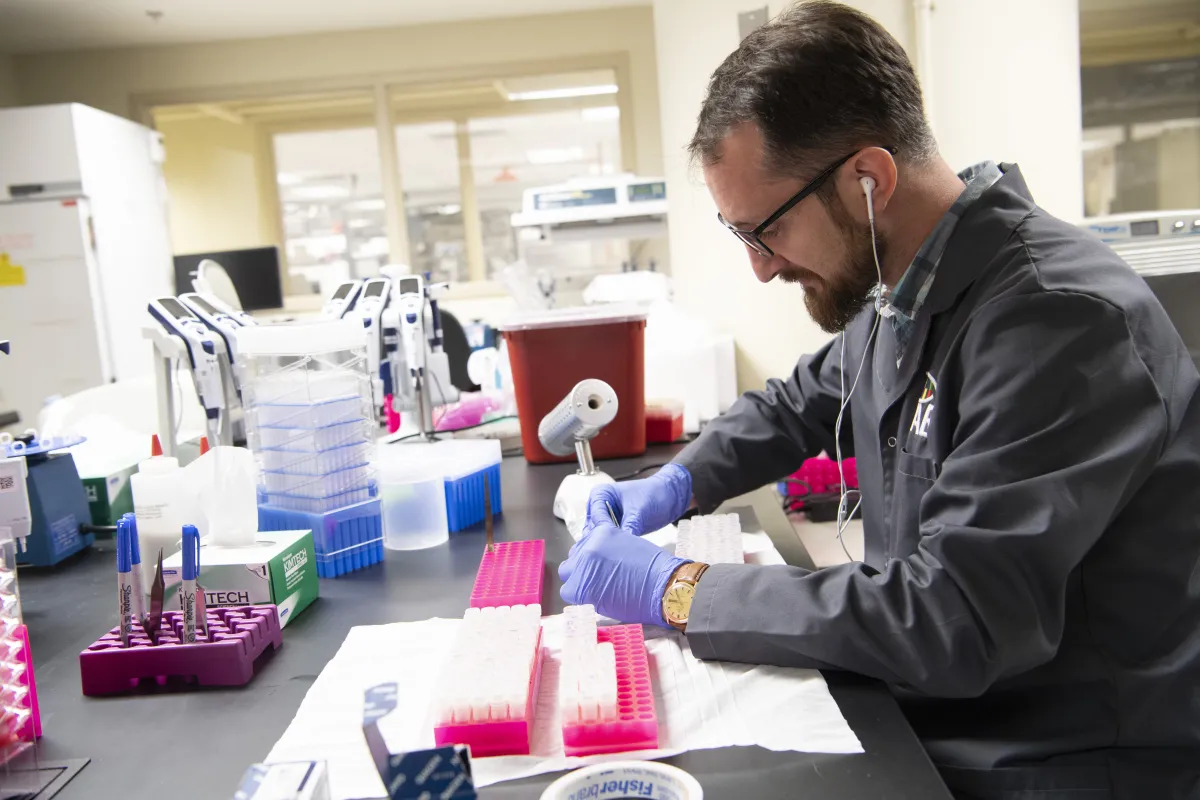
[120, 80]
[8, 83]
[211, 176]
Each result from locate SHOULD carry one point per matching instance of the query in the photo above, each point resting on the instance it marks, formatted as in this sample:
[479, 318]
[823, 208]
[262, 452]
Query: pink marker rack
[636, 725]
[511, 575]
[506, 737]
[236, 637]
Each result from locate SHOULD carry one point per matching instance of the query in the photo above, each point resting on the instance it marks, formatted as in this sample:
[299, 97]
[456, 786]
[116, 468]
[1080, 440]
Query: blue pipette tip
[191, 552]
[124, 560]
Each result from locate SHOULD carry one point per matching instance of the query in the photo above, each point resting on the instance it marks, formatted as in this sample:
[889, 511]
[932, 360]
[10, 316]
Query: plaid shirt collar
[907, 297]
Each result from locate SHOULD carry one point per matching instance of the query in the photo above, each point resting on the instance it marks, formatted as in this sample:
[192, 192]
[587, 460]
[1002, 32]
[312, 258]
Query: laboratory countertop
[196, 744]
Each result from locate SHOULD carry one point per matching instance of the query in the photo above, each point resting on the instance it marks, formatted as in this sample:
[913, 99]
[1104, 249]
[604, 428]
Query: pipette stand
[571, 500]
[168, 350]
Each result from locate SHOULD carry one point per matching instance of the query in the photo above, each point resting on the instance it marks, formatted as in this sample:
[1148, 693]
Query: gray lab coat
[1031, 506]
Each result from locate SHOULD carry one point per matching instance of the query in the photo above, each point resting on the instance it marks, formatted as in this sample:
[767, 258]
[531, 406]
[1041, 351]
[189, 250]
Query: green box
[109, 496]
[280, 568]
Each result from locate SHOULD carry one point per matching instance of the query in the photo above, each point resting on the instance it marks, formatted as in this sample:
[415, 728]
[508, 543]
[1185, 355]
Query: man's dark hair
[819, 81]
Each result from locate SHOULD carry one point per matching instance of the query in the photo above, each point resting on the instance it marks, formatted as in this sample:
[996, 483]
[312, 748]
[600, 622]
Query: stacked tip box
[510, 575]
[605, 696]
[236, 637]
[713, 539]
[489, 688]
[312, 434]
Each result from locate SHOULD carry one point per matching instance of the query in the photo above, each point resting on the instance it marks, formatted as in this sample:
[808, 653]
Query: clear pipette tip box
[489, 688]
[712, 539]
[236, 638]
[605, 696]
[511, 575]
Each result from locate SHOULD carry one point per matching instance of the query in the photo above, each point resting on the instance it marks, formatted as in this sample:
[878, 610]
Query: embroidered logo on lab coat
[924, 412]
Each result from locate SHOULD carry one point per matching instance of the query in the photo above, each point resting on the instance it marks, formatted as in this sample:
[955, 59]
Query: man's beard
[834, 303]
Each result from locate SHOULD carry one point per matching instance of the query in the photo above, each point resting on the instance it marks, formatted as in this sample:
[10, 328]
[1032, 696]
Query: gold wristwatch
[681, 590]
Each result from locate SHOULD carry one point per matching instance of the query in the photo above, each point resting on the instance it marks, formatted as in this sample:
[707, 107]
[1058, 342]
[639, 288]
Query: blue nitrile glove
[647, 505]
[623, 576]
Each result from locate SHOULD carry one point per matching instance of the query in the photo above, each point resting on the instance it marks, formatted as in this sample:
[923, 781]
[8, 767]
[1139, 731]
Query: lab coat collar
[977, 237]
[988, 223]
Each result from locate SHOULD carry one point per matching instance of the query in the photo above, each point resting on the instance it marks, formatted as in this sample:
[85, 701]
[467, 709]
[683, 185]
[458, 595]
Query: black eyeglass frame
[753, 240]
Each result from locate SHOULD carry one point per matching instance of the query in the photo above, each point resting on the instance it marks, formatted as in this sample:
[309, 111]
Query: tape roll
[619, 780]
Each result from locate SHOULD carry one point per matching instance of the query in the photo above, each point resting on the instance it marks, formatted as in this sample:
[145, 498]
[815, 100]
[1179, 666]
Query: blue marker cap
[135, 549]
[123, 548]
[191, 553]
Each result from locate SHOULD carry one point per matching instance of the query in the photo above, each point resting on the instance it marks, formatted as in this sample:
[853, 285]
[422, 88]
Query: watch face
[677, 604]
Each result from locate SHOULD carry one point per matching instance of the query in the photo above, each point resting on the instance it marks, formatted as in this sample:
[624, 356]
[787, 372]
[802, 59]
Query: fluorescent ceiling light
[600, 114]
[555, 155]
[570, 91]
[449, 210]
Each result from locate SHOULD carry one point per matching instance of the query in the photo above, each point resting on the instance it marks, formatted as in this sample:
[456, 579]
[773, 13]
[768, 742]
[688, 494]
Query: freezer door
[52, 309]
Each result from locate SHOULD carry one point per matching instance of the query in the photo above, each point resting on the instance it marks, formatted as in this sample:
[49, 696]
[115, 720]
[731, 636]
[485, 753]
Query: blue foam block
[345, 540]
[464, 498]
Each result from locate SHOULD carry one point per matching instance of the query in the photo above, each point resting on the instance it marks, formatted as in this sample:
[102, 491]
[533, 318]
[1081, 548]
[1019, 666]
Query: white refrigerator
[84, 244]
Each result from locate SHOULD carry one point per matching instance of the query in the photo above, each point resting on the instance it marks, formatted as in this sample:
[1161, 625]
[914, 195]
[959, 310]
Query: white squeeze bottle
[157, 504]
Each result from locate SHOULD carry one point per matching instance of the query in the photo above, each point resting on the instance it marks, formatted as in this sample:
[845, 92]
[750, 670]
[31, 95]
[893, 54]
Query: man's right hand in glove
[647, 505]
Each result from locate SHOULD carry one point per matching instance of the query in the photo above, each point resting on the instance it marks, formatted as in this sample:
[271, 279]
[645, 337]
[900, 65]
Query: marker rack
[511, 575]
[236, 637]
[636, 724]
[479, 702]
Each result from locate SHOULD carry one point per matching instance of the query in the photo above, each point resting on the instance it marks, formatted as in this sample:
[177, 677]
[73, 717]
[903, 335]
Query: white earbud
[868, 184]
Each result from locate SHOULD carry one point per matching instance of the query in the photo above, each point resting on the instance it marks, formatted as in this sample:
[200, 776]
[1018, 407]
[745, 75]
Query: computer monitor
[254, 272]
[1179, 294]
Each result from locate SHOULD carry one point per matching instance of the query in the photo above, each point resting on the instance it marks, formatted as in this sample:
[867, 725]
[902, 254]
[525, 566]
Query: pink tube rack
[507, 737]
[636, 726]
[511, 575]
[236, 637]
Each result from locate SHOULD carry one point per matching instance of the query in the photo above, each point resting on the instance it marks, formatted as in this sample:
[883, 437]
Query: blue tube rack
[464, 498]
[345, 540]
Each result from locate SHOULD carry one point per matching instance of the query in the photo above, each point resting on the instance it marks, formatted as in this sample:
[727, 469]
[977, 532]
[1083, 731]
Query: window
[429, 177]
[331, 201]
[307, 173]
[1141, 137]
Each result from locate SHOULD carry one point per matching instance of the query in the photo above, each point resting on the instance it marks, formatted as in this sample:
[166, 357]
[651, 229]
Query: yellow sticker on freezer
[10, 273]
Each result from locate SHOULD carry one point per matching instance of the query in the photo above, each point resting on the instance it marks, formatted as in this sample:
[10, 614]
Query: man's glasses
[753, 239]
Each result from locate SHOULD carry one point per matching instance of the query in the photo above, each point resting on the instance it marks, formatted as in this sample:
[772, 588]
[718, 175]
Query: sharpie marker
[191, 568]
[124, 582]
[139, 589]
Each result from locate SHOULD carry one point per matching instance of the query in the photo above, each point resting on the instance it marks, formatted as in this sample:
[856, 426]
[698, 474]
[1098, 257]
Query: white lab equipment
[587, 678]
[225, 322]
[83, 241]
[159, 502]
[14, 498]
[342, 300]
[374, 298]
[571, 425]
[204, 349]
[621, 206]
[212, 280]
[420, 368]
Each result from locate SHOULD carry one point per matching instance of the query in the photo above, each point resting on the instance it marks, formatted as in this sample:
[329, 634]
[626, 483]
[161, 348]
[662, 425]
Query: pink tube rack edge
[511, 575]
[636, 726]
[237, 636]
[509, 737]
